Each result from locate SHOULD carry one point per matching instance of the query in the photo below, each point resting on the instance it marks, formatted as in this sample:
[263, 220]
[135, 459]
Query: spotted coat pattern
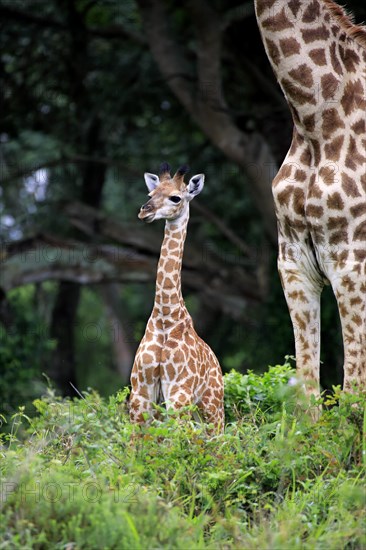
[173, 364]
[319, 57]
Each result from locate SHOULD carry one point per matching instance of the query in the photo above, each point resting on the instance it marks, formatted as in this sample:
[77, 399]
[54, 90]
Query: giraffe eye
[175, 199]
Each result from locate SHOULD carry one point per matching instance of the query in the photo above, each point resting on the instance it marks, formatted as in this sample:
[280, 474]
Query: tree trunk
[68, 296]
[62, 364]
[123, 344]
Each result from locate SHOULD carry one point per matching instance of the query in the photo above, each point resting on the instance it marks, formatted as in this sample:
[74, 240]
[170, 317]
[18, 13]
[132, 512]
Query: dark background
[95, 93]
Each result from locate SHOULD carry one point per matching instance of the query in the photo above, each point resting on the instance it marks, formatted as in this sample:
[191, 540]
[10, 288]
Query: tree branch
[78, 210]
[45, 257]
[93, 223]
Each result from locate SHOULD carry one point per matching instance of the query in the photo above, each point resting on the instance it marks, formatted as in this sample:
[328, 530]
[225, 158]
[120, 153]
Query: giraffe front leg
[349, 287]
[140, 408]
[145, 381]
[143, 396]
[211, 406]
[303, 300]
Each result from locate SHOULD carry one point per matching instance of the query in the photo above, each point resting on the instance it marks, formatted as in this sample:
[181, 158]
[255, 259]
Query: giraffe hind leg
[349, 287]
[142, 398]
[141, 408]
[302, 295]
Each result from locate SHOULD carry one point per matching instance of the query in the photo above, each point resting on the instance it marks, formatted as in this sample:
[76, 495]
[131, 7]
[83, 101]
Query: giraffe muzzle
[146, 213]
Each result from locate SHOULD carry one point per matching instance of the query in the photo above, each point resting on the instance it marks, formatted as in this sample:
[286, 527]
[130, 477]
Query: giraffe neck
[313, 48]
[169, 302]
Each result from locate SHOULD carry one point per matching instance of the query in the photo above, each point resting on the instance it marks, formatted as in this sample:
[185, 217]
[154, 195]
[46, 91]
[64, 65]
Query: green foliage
[23, 350]
[248, 394]
[83, 476]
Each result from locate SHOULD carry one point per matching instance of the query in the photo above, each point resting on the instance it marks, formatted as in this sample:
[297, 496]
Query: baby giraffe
[173, 365]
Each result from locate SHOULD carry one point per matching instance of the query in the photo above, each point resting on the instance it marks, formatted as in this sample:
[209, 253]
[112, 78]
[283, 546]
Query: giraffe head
[170, 196]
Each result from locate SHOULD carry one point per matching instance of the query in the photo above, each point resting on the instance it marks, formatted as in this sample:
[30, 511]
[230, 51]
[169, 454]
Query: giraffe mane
[346, 22]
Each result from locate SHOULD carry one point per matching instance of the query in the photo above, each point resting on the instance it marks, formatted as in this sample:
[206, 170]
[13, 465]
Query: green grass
[72, 477]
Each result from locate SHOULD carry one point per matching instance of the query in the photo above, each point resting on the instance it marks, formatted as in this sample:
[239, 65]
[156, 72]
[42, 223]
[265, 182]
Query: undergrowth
[76, 475]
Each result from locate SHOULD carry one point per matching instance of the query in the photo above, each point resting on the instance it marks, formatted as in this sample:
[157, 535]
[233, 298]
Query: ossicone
[164, 169]
[182, 171]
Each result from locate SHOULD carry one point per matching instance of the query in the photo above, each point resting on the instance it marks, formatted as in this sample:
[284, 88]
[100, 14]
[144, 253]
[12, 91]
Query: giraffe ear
[151, 181]
[195, 185]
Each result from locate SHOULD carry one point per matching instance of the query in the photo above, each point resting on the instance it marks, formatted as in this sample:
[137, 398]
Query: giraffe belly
[296, 251]
[321, 228]
[337, 221]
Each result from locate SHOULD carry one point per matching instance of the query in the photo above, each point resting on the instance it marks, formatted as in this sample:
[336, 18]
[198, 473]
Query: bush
[252, 394]
[81, 476]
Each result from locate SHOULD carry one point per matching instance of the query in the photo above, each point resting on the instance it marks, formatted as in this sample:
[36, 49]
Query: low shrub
[79, 475]
[261, 396]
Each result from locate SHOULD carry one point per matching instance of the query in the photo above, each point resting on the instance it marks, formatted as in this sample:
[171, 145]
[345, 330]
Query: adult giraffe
[319, 57]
